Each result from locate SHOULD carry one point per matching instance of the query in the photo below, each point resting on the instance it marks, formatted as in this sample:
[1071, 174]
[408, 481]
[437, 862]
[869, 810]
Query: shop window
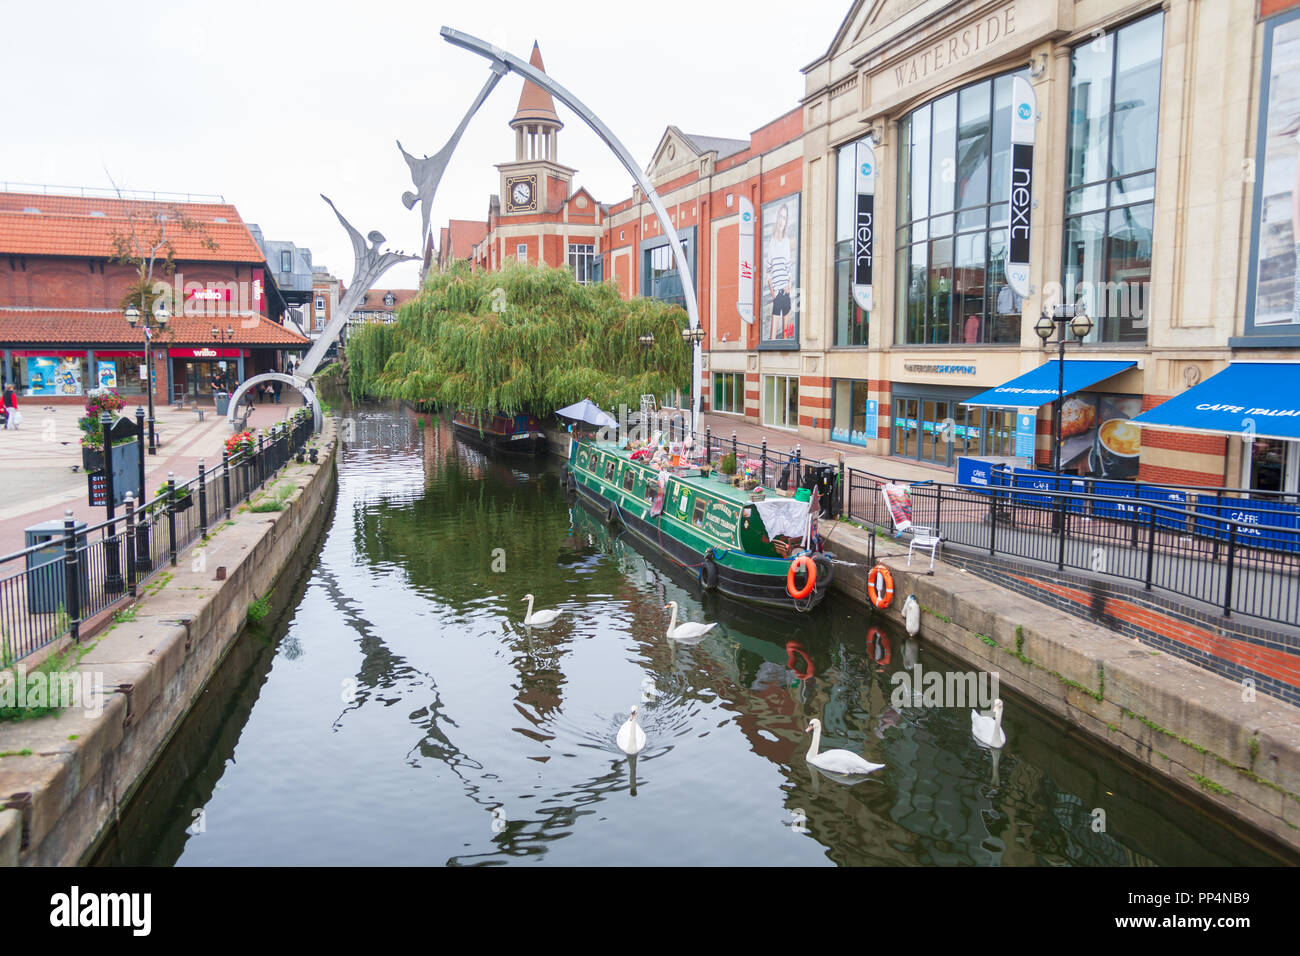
[729, 392]
[781, 401]
[953, 191]
[582, 262]
[1110, 177]
[853, 413]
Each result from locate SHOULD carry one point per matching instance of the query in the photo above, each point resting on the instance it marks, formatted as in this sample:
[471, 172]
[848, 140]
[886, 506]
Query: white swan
[631, 738]
[688, 631]
[986, 730]
[541, 618]
[912, 615]
[836, 761]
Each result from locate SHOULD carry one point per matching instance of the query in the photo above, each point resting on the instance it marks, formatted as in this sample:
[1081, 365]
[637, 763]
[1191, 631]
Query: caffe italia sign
[951, 49]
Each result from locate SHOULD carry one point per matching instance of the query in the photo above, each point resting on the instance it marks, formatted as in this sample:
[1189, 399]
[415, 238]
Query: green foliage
[259, 609]
[554, 342]
[727, 464]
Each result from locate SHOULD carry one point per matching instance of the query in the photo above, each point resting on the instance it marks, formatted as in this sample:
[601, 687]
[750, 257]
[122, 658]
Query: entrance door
[906, 427]
[1274, 465]
[935, 444]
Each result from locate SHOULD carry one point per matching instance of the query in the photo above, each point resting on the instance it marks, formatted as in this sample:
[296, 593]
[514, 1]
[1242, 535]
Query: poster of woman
[780, 268]
[1277, 195]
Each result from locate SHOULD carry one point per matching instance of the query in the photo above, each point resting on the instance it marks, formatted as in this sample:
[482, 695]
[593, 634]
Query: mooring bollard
[71, 581]
[171, 513]
[203, 500]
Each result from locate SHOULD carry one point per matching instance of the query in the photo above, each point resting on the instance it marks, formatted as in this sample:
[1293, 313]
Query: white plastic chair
[925, 539]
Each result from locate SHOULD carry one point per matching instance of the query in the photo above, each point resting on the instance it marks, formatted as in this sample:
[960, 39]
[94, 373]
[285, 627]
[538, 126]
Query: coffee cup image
[1118, 444]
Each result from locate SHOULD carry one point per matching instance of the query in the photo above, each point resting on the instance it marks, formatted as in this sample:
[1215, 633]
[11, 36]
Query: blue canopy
[1263, 397]
[1040, 386]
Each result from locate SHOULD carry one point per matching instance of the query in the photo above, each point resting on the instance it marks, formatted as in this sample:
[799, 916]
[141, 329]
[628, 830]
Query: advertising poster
[108, 375]
[1277, 187]
[1097, 438]
[780, 268]
[745, 262]
[49, 375]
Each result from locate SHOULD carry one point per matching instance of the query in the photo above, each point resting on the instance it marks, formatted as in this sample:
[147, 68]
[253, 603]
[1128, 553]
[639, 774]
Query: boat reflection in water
[417, 720]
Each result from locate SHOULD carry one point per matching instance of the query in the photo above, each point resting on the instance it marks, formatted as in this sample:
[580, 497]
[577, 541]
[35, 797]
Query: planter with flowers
[92, 432]
[242, 443]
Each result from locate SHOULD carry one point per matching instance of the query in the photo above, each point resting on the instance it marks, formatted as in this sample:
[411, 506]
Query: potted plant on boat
[727, 466]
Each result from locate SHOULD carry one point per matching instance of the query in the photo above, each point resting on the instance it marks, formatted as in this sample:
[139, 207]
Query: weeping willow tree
[526, 339]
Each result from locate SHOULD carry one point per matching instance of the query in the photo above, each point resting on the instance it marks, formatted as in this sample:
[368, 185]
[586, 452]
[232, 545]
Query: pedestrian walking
[13, 417]
[275, 389]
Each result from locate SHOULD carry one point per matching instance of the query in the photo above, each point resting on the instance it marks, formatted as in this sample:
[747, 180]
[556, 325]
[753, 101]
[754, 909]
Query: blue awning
[1040, 386]
[1258, 397]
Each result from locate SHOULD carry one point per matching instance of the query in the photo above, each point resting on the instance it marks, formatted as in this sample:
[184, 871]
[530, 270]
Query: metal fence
[1194, 548]
[51, 588]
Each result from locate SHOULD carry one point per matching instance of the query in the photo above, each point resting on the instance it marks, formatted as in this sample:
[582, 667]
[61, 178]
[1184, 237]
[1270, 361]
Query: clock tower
[535, 182]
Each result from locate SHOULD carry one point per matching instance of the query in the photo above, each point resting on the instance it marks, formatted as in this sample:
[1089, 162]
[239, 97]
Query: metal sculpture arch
[426, 173]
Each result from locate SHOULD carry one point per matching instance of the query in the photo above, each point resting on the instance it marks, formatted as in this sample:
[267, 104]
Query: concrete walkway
[780, 441]
[37, 480]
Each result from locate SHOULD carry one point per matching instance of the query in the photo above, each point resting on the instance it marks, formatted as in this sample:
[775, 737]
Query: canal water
[396, 711]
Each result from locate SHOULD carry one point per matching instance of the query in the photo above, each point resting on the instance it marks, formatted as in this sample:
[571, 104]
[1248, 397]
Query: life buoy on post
[878, 647]
[709, 571]
[880, 586]
[810, 568]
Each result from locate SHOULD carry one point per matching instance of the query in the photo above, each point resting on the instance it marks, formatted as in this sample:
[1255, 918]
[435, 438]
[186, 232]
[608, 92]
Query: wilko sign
[864, 225]
[205, 353]
[1024, 113]
[745, 258]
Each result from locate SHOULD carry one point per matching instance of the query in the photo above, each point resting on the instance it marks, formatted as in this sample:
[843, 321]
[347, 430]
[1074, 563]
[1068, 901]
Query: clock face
[520, 194]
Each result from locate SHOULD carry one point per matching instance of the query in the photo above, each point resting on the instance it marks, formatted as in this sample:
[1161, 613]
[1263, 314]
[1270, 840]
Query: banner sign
[900, 505]
[745, 258]
[1026, 429]
[864, 227]
[1024, 112]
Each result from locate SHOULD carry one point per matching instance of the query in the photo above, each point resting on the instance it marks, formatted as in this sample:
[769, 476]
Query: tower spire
[535, 121]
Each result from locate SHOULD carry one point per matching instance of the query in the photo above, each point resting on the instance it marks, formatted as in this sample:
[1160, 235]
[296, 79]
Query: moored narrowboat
[755, 551]
[512, 434]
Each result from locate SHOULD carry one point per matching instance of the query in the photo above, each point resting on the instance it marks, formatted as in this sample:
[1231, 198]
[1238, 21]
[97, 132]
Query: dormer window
[389, 300]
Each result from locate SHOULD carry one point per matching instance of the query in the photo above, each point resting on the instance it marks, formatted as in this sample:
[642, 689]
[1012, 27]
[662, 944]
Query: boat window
[651, 489]
[629, 479]
[609, 470]
[701, 506]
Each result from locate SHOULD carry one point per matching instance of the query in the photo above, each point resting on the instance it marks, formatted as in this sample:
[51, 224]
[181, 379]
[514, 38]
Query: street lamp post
[158, 320]
[693, 336]
[1055, 319]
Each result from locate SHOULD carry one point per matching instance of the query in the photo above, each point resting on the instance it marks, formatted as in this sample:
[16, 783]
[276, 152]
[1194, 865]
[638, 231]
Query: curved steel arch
[301, 384]
[501, 58]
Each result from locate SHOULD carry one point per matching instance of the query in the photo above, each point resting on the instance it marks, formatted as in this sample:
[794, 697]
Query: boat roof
[688, 476]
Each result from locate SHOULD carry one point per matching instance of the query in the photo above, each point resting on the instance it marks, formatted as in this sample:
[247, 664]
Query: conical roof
[535, 104]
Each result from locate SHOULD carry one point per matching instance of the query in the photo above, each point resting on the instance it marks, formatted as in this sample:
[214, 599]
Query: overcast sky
[271, 103]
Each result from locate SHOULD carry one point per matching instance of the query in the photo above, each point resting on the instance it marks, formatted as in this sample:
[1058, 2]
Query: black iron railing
[1198, 548]
[49, 589]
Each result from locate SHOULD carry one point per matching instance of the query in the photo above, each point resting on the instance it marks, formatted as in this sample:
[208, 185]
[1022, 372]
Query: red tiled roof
[374, 300]
[73, 226]
[464, 235]
[534, 102]
[108, 327]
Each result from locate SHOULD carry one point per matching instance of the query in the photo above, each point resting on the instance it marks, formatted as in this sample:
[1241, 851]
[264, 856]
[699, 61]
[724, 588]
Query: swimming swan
[836, 761]
[541, 618]
[631, 738]
[988, 731]
[687, 631]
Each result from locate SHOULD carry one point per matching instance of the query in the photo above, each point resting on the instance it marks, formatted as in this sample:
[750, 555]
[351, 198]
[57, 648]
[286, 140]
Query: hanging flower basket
[242, 443]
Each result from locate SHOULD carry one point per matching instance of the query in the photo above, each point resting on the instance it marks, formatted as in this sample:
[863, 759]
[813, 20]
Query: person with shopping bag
[13, 417]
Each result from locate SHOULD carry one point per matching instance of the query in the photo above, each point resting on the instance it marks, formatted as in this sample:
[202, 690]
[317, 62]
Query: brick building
[1166, 184]
[63, 331]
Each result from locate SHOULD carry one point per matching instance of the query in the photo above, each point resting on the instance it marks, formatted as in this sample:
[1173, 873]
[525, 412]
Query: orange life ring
[878, 645]
[791, 649]
[800, 593]
[880, 586]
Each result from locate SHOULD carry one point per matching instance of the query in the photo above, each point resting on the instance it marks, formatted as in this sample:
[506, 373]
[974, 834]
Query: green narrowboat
[706, 525]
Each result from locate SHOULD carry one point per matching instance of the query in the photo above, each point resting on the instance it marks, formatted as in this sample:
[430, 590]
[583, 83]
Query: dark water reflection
[400, 713]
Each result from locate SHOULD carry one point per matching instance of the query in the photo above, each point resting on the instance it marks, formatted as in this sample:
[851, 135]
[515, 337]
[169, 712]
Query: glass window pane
[1005, 306]
[1000, 182]
[844, 193]
[792, 402]
[941, 225]
[859, 425]
[939, 325]
[1128, 272]
[974, 135]
[905, 169]
[841, 410]
[1133, 189]
[1085, 200]
[943, 155]
[1084, 241]
[969, 219]
[921, 163]
[843, 300]
[1000, 215]
[916, 286]
[1137, 96]
[1089, 117]
[769, 399]
[968, 277]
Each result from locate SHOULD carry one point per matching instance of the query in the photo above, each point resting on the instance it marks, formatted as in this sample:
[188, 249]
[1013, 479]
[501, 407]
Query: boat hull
[527, 444]
[764, 587]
